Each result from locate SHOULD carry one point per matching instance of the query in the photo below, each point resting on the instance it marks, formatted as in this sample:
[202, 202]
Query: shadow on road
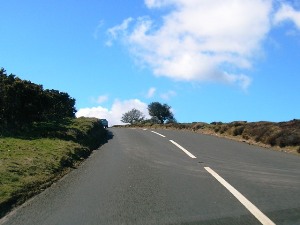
[109, 136]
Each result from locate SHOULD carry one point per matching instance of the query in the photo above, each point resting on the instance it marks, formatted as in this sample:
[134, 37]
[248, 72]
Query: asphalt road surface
[171, 177]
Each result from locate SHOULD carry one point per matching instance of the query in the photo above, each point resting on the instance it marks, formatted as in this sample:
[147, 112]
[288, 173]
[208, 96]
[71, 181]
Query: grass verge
[32, 161]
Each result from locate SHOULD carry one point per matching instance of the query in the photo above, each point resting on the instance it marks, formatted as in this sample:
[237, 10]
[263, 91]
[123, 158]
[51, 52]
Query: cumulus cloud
[200, 40]
[287, 13]
[114, 114]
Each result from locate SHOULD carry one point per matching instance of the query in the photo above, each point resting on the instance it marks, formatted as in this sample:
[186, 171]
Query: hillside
[40, 138]
[33, 161]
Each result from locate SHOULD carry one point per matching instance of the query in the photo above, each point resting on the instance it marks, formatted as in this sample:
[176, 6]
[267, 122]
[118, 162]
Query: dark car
[104, 123]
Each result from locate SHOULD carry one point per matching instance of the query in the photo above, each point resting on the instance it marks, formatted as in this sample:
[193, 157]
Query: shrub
[238, 123]
[223, 129]
[197, 126]
[245, 136]
[216, 123]
[271, 140]
[238, 130]
[22, 103]
[217, 129]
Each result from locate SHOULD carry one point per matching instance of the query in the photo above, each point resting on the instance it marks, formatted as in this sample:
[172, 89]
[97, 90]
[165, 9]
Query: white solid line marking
[145, 129]
[252, 208]
[157, 133]
[183, 149]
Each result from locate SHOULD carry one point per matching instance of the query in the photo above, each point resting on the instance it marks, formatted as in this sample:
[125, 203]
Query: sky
[210, 60]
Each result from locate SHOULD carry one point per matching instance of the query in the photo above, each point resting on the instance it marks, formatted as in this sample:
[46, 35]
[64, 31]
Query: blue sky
[209, 60]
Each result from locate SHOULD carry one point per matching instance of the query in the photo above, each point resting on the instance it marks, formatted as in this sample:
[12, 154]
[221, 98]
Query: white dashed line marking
[252, 208]
[158, 134]
[183, 149]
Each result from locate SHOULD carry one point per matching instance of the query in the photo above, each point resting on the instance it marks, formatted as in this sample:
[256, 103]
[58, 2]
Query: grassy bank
[282, 135]
[31, 161]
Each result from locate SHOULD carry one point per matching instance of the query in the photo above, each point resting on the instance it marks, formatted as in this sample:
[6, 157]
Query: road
[171, 177]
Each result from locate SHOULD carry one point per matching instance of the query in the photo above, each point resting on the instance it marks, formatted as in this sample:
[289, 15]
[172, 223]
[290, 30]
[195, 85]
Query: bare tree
[133, 116]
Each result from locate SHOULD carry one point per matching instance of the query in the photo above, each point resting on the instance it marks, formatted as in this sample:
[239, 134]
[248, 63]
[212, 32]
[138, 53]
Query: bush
[217, 129]
[223, 129]
[245, 136]
[238, 130]
[197, 126]
[238, 123]
[23, 103]
[272, 140]
[216, 123]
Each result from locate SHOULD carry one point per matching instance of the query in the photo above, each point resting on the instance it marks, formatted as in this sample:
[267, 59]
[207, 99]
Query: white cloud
[241, 80]
[101, 99]
[287, 13]
[201, 40]
[151, 92]
[97, 112]
[168, 95]
[115, 31]
[157, 3]
[97, 29]
[114, 114]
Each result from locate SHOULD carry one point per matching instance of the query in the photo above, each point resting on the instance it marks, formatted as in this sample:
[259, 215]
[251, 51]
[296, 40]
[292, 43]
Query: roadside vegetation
[40, 138]
[22, 103]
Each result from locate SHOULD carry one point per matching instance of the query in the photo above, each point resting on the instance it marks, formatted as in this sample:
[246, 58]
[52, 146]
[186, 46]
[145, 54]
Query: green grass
[32, 161]
[23, 162]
